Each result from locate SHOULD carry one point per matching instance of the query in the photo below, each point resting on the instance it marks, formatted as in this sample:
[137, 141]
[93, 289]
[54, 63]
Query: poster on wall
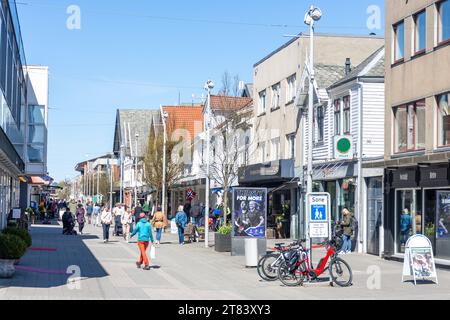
[249, 214]
[442, 215]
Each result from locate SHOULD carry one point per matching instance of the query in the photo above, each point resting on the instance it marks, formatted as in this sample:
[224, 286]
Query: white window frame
[290, 146]
[291, 88]
[276, 96]
[262, 102]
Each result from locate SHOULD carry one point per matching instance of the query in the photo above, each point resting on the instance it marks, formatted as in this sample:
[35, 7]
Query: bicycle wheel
[265, 267]
[340, 272]
[289, 278]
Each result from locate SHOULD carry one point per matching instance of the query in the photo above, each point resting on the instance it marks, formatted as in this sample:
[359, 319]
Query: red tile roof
[185, 117]
[229, 103]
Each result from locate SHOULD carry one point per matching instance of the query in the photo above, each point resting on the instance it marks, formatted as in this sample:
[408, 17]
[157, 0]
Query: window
[420, 22]
[443, 20]
[291, 88]
[262, 147]
[347, 115]
[262, 101]
[275, 149]
[399, 41]
[410, 127]
[443, 119]
[337, 116]
[320, 123]
[36, 114]
[275, 101]
[290, 146]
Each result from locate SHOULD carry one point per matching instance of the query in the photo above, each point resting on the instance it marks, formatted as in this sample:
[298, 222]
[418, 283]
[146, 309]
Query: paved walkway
[182, 272]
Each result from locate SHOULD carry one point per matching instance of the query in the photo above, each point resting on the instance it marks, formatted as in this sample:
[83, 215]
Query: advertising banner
[249, 212]
[442, 215]
[419, 260]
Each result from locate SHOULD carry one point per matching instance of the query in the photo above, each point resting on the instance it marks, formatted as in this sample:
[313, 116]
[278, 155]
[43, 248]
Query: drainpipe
[362, 225]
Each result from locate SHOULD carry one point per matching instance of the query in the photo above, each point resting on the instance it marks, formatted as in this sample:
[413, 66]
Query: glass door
[408, 216]
[374, 212]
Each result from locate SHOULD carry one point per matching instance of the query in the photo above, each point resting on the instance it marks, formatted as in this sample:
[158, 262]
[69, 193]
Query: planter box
[7, 269]
[222, 243]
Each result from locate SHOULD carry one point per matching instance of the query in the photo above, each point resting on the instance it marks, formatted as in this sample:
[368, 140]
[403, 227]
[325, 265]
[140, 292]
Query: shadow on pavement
[46, 269]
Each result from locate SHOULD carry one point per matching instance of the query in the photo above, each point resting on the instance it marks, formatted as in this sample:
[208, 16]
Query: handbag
[152, 252]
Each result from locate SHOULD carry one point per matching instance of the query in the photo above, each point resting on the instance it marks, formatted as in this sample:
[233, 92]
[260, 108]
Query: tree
[66, 189]
[230, 138]
[153, 160]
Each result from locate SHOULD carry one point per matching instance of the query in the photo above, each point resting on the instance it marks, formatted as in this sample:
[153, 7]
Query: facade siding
[373, 118]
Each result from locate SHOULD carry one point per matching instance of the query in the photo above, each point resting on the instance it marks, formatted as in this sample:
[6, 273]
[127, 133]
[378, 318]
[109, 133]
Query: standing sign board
[419, 260]
[318, 214]
[16, 213]
[249, 214]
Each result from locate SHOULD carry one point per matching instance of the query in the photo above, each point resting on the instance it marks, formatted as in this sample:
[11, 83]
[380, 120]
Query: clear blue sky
[143, 53]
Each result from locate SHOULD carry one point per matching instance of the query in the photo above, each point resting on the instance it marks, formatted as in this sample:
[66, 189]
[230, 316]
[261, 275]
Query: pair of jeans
[158, 234]
[143, 249]
[80, 227]
[181, 234]
[106, 231]
[347, 246]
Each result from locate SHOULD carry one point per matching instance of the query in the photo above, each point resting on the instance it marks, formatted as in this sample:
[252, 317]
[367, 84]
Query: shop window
[410, 127]
[437, 221]
[409, 216]
[443, 119]
[420, 23]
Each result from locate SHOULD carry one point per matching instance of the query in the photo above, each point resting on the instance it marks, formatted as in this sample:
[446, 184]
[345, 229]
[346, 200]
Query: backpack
[354, 224]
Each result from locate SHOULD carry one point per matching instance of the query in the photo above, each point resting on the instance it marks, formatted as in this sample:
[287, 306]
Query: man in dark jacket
[68, 223]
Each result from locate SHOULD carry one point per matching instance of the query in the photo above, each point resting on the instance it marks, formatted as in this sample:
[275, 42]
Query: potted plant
[12, 248]
[21, 233]
[222, 238]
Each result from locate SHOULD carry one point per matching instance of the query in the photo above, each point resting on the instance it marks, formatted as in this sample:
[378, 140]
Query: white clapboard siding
[373, 119]
[354, 118]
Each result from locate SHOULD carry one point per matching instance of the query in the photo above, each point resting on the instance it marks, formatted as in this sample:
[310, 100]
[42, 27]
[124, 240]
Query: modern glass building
[13, 103]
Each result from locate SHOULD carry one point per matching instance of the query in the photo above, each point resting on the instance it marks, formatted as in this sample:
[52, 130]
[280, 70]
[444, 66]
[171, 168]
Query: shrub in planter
[21, 233]
[222, 239]
[12, 248]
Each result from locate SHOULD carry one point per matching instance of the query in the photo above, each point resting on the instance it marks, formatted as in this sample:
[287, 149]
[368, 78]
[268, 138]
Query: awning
[36, 180]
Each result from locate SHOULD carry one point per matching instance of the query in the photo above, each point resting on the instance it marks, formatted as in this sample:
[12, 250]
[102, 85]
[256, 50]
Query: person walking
[80, 218]
[348, 231]
[145, 238]
[106, 219]
[181, 221]
[126, 220]
[96, 214]
[159, 221]
[89, 210]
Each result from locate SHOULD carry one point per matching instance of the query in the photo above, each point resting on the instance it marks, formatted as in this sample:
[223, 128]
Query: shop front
[282, 201]
[418, 202]
[339, 180]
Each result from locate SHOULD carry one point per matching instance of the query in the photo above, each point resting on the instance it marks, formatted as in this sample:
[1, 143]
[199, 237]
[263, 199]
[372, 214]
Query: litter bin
[251, 252]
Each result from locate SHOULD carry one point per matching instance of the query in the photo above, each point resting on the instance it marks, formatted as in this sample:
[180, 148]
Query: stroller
[118, 228]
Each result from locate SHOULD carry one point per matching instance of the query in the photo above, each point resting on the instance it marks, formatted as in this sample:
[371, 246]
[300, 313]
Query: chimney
[348, 66]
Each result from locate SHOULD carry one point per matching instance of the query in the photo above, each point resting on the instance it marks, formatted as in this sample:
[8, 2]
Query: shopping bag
[152, 252]
[173, 227]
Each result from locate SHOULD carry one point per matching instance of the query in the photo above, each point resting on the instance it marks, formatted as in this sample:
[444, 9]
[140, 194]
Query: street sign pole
[318, 220]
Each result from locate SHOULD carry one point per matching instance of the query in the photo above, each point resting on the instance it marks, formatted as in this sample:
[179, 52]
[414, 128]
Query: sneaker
[138, 265]
[104, 241]
[348, 252]
[342, 252]
[147, 268]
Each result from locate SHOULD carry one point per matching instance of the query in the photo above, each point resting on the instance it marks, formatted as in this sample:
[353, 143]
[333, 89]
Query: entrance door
[374, 212]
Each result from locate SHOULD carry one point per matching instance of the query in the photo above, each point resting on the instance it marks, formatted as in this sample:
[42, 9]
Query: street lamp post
[164, 117]
[136, 169]
[121, 172]
[208, 87]
[314, 14]
[110, 184]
